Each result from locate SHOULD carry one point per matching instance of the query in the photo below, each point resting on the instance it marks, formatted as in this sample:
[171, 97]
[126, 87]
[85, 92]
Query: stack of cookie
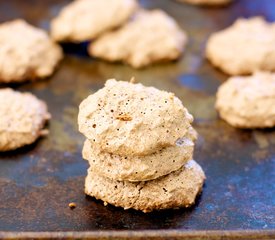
[139, 146]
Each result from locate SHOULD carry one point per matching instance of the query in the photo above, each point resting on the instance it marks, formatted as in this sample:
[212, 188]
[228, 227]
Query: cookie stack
[139, 146]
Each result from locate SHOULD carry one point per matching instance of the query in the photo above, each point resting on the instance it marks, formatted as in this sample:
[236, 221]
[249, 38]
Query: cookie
[144, 168]
[130, 119]
[243, 48]
[22, 119]
[83, 20]
[26, 52]
[178, 189]
[151, 36]
[248, 102]
[207, 2]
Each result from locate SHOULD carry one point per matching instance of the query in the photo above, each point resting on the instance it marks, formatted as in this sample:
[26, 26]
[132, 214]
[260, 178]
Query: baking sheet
[39, 181]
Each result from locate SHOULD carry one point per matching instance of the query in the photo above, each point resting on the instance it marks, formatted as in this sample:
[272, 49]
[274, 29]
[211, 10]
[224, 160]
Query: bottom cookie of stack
[175, 190]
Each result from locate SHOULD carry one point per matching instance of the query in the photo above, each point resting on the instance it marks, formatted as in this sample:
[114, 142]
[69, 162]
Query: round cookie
[244, 47]
[22, 118]
[83, 20]
[151, 36]
[26, 52]
[207, 2]
[130, 119]
[143, 168]
[178, 189]
[248, 102]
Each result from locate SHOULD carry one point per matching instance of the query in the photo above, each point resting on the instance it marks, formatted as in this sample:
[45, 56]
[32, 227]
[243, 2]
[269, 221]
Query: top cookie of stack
[130, 119]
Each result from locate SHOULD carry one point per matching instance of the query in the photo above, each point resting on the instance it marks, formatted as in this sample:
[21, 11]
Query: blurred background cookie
[22, 119]
[26, 52]
[243, 48]
[248, 102]
[151, 36]
[84, 20]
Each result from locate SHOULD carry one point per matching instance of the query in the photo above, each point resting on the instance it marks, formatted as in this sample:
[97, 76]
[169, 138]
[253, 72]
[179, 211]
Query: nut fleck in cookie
[83, 20]
[243, 48]
[144, 168]
[151, 36]
[22, 119]
[130, 119]
[207, 2]
[178, 189]
[248, 102]
[26, 52]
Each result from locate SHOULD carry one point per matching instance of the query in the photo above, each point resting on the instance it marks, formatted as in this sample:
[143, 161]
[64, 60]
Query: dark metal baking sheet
[38, 181]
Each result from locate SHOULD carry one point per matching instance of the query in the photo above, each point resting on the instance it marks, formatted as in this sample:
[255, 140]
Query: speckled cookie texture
[151, 36]
[178, 189]
[22, 119]
[207, 2]
[243, 48]
[130, 119]
[26, 52]
[83, 20]
[248, 101]
[144, 168]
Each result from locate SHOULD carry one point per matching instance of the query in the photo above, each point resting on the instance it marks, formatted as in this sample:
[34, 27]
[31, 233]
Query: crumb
[72, 205]
[124, 117]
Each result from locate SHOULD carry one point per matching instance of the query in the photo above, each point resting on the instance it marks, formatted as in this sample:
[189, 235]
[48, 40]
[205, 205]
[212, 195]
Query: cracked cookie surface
[178, 189]
[130, 119]
[26, 52]
[22, 119]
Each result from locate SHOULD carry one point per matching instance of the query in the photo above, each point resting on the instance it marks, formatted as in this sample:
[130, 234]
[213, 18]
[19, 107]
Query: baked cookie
[178, 189]
[151, 36]
[144, 168]
[22, 119]
[83, 20]
[26, 52]
[245, 47]
[248, 102]
[130, 119]
[207, 2]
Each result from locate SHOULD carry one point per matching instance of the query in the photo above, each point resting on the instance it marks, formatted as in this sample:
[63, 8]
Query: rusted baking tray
[38, 182]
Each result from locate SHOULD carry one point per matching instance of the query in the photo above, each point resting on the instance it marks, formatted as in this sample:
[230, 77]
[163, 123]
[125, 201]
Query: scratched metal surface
[38, 182]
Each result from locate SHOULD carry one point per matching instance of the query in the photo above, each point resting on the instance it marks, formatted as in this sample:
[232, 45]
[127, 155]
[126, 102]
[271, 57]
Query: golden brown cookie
[243, 48]
[130, 119]
[248, 102]
[151, 36]
[178, 189]
[22, 119]
[84, 20]
[26, 52]
[140, 168]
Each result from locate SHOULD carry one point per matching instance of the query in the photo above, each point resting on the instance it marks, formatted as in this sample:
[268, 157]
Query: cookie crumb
[72, 205]
[124, 117]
